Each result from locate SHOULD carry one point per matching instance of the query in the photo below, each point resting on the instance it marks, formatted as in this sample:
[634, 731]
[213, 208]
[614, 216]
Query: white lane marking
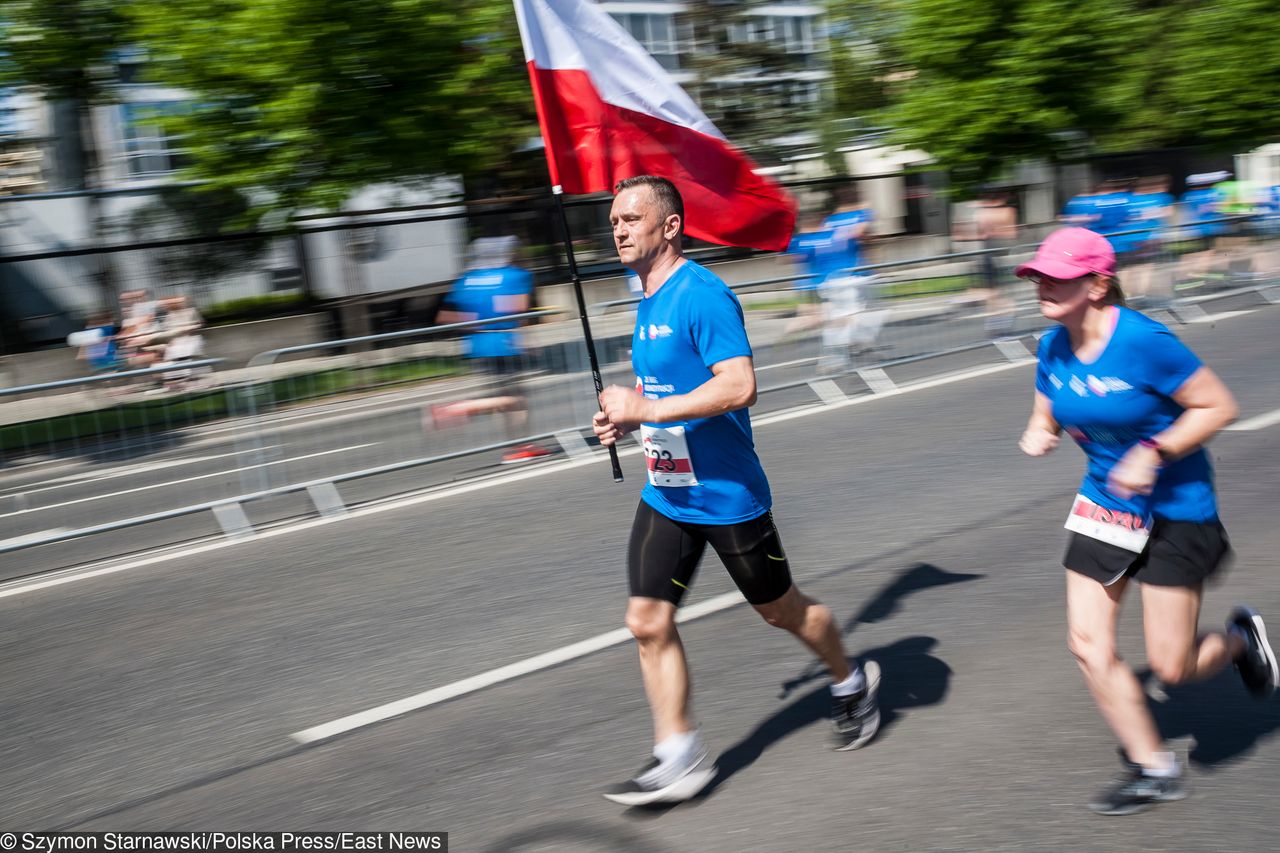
[184, 480]
[555, 657]
[793, 363]
[313, 415]
[32, 537]
[1257, 422]
[946, 379]
[544, 469]
[111, 473]
[1223, 315]
[73, 575]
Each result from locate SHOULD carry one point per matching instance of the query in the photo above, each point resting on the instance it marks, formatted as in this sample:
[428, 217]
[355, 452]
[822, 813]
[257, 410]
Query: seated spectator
[97, 344]
[180, 329]
[137, 324]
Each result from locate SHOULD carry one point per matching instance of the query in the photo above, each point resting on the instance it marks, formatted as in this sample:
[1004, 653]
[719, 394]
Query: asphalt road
[164, 696]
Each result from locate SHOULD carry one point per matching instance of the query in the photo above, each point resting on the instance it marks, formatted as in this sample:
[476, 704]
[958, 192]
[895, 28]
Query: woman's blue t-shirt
[1122, 397]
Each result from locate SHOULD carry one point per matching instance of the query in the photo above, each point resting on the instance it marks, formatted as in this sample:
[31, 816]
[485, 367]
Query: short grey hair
[664, 193]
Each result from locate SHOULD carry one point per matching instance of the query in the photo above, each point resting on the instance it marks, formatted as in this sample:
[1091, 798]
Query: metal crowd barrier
[308, 426]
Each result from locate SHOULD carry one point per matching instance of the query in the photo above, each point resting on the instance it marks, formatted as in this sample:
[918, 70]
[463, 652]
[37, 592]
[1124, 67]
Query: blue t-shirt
[1105, 214]
[821, 255]
[1152, 206]
[1122, 397]
[477, 293]
[1199, 205]
[842, 224]
[691, 323]
[101, 354]
[1148, 211]
[1082, 211]
[1112, 210]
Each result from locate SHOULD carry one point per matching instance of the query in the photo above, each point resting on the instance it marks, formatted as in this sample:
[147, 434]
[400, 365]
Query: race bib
[1122, 529]
[666, 454]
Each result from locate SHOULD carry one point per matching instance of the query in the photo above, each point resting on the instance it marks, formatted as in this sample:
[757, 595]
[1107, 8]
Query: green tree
[66, 49]
[993, 82]
[1204, 74]
[998, 81]
[298, 103]
[865, 57]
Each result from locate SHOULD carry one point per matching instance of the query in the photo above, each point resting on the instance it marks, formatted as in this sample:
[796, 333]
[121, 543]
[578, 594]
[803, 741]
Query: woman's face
[1063, 298]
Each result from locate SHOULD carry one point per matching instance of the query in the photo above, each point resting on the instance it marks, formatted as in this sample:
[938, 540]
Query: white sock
[851, 685]
[676, 747]
[1166, 766]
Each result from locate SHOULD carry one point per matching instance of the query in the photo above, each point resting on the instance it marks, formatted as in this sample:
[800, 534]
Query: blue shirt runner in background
[479, 292]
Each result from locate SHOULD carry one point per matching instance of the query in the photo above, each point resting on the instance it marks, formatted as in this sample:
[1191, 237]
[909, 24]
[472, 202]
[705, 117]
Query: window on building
[761, 28]
[149, 150]
[130, 62]
[798, 34]
[657, 34]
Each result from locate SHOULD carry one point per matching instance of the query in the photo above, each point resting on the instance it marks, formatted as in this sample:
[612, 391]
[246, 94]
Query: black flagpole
[558, 192]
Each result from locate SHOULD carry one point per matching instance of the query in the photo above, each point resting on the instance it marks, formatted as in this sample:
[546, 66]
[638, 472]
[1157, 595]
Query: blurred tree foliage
[299, 103]
[866, 57]
[982, 84]
[65, 47]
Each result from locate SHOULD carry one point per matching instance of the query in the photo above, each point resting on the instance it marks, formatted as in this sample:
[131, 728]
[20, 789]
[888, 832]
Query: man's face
[639, 230]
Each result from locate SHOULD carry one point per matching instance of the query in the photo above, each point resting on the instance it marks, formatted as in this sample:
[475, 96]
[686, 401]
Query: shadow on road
[1224, 721]
[912, 677]
[568, 835]
[884, 604]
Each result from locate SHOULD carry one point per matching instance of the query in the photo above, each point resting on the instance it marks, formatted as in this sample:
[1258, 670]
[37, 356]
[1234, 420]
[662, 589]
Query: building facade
[749, 64]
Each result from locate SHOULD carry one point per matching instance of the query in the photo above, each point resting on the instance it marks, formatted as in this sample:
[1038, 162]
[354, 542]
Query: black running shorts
[663, 556]
[1179, 553]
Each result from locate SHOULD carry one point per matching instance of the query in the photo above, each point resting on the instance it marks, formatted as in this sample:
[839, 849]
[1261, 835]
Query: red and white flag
[608, 111]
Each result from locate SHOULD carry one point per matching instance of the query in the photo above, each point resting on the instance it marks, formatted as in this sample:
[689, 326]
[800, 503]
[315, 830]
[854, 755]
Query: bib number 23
[666, 454]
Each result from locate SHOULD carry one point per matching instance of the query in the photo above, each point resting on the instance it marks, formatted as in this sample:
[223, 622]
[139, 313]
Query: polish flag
[608, 111]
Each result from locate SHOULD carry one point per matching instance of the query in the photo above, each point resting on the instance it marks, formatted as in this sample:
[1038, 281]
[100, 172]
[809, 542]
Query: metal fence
[397, 259]
[323, 426]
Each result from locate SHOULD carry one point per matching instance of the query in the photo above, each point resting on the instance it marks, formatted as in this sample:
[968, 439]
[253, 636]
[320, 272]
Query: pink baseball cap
[1070, 253]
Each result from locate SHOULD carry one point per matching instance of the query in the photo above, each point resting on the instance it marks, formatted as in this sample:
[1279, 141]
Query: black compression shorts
[663, 556]
[1179, 553]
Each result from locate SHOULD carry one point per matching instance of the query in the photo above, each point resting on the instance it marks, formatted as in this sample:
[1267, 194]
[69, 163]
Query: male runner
[694, 382]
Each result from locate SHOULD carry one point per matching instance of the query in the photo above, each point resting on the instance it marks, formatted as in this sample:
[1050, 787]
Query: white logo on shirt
[656, 332]
[1101, 386]
[1079, 387]
[1055, 381]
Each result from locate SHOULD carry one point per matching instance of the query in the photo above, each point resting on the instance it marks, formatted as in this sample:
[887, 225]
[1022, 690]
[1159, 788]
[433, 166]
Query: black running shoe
[856, 718]
[1257, 666]
[673, 782]
[1136, 790]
